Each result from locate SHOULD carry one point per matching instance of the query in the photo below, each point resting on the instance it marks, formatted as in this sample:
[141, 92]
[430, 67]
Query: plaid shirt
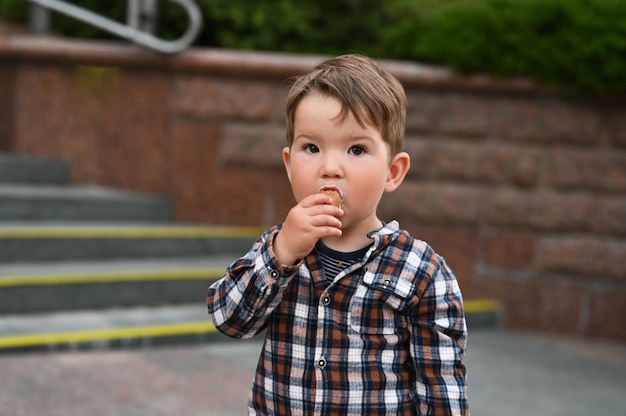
[386, 337]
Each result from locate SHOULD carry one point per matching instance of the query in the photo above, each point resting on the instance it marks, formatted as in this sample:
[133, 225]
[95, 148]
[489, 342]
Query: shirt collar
[383, 236]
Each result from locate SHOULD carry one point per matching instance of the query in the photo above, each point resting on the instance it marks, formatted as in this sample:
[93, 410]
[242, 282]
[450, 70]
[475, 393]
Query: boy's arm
[438, 342]
[251, 288]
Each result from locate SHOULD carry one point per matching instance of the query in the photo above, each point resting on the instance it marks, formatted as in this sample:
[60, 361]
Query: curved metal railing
[132, 31]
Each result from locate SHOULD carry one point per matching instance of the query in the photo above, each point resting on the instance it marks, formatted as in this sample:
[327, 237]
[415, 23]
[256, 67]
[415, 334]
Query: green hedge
[574, 42]
[579, 42]
[304, 26]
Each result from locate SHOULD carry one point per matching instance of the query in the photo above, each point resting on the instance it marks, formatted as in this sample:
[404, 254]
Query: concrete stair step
[15, 168]
[134, 327]
[67, 286]
[483, 313]
[73, 241]
[111, 328]
[93, 267]
[48, 202]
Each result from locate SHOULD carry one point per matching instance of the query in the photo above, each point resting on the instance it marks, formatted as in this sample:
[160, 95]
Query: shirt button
[321, 363]
[274, 274]
[386, 282]
[326, 300]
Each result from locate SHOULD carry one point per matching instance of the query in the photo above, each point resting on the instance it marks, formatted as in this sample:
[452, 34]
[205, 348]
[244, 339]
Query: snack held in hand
[334, 195]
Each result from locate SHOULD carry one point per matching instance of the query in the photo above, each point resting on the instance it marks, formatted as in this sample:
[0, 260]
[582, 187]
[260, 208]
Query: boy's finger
[315, 199]
[326, 209]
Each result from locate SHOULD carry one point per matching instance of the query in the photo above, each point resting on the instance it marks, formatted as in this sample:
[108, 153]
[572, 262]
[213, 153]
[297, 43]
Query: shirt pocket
[379, 303]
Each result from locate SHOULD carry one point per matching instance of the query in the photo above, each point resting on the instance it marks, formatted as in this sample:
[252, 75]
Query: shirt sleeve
[438, 343]
[251, 288]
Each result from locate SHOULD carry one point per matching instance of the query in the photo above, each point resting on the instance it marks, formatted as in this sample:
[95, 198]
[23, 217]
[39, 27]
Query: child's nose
[331, 167]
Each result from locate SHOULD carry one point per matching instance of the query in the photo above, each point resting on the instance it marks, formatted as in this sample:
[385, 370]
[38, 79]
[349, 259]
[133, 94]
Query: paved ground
[510, 374]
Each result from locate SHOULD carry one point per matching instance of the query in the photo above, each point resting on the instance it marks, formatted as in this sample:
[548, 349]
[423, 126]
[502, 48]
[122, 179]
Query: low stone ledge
[231, 62]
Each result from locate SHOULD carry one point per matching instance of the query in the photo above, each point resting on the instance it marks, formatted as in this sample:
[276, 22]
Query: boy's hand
[313, 218]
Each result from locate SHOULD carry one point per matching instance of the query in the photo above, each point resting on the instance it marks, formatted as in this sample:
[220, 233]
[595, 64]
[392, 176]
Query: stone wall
[521, 188]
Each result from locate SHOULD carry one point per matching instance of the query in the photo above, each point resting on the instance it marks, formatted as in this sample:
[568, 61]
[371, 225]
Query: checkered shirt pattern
[386, 337]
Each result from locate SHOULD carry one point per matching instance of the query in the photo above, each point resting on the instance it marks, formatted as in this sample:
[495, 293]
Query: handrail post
[127, 31]
[39, 20]
[142, 15]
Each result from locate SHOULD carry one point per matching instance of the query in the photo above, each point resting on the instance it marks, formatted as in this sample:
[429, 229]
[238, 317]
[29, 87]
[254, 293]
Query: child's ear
[287, 162]
[398, 169]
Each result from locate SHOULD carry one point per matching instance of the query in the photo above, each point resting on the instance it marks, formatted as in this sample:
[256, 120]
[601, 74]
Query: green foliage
[18, 10]
[579, 42]
[303, 26]
[13, 10]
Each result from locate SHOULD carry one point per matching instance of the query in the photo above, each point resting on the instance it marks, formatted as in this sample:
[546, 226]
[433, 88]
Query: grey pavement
[517, 374]
[509, 373]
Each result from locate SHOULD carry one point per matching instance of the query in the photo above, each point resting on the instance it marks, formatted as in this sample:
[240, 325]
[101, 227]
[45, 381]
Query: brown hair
[364, 88]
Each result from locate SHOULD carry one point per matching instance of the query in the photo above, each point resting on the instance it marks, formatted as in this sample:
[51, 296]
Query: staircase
[92, 267]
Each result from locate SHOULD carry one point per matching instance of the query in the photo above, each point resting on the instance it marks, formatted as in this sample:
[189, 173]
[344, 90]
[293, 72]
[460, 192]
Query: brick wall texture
[522, 189]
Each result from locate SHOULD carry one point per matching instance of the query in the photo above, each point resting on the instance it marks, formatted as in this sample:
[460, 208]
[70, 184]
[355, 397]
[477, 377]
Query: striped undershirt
[335, 261]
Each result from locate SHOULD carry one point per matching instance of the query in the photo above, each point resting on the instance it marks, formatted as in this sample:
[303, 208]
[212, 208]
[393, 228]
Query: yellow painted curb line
[111, 277]
[38, 340]
[481, 305]
[132, 232]
[189, 328]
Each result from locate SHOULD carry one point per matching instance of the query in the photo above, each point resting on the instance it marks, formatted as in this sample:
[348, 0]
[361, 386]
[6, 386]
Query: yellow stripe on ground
[132, 232]
[470, 306]
[38, 340]
[110, 277]
[481, 305]
[180, 329]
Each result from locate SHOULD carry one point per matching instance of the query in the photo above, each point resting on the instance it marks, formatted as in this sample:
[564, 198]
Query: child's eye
[357, 150]
[311, 148]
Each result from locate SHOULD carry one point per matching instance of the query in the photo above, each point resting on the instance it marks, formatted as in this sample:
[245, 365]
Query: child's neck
[352, 239]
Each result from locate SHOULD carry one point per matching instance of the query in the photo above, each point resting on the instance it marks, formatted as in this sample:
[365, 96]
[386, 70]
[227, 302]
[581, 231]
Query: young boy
[360, 318]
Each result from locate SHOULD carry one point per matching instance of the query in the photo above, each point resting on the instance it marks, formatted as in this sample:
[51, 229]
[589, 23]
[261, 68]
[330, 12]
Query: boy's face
[341, 155]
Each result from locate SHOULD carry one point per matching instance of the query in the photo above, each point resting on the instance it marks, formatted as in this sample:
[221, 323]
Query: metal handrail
[129, 32]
